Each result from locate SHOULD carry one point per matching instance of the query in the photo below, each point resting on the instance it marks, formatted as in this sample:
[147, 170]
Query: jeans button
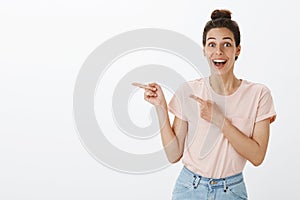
[213, 182]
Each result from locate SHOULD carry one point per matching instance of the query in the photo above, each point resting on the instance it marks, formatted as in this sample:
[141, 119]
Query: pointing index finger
[197, 98]
[140, 85]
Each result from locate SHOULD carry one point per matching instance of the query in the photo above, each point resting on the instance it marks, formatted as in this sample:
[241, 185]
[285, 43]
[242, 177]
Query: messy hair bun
[216, 14]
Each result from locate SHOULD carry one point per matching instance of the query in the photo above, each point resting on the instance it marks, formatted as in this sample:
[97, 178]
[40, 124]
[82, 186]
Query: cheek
[231, 53]
[207, 53]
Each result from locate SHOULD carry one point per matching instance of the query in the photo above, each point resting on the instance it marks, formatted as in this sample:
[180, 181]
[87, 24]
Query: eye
[227, 44]
[211, 44]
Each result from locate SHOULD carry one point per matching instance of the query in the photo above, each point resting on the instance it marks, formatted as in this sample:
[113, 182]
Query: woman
[229, 119]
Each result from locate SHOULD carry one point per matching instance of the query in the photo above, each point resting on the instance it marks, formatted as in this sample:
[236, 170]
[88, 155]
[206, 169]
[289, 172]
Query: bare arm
[253, 148]
[172, 137]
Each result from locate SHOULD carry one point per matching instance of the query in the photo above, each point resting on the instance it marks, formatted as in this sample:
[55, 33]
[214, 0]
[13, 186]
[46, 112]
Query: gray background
[43, 45]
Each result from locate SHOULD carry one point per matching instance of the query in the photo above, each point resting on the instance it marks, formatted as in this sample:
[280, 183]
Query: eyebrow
[229, 38]
[224, 38]
[211, 38]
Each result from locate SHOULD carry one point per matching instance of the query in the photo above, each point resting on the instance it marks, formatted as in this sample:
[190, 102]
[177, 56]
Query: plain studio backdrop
[43, 45]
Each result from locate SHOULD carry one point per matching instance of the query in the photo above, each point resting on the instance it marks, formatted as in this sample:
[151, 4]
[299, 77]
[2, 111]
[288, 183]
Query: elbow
[258, 157]
[257, 161]
[173, 154]
[174, 160]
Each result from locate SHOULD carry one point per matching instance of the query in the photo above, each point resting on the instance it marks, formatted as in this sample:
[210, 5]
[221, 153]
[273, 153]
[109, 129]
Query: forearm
[245, 146]
[168, 136]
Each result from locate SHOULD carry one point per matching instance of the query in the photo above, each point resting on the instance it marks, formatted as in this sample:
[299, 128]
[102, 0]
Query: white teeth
[219, 60]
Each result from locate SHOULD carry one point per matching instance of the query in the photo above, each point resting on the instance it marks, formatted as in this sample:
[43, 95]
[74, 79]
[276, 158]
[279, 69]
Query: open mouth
[219, 63]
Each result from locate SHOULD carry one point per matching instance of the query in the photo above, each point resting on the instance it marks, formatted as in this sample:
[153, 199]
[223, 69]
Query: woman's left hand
[210, 111]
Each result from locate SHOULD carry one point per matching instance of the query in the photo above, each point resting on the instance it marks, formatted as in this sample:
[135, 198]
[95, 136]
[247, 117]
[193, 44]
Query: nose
[219, 50]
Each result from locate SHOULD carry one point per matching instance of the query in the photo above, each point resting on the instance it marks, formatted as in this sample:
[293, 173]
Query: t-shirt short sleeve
[176, 104]
[265, 107]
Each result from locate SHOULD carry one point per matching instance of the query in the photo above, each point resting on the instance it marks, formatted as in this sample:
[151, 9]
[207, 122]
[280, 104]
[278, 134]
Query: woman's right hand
[153, 94]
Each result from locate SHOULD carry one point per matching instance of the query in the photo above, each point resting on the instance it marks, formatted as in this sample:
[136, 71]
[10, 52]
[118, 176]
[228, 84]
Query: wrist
[220, 122]
[162, 106]
[163, 116]
[225, 126]
[162, 110]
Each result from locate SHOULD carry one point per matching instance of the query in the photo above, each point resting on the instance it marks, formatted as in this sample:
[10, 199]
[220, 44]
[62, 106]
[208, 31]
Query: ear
[204, 52]
[238, 51]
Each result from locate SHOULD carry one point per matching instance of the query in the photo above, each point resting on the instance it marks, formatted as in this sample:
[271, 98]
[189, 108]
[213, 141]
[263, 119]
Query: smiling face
[220, 50]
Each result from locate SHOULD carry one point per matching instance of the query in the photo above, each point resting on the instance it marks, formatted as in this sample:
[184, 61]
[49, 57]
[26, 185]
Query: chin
[215, 71]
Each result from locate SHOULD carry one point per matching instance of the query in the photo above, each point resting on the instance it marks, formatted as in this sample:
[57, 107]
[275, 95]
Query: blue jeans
[193, 186]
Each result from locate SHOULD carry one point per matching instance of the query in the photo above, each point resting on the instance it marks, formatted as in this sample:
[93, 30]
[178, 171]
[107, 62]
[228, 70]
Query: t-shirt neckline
[224, 96]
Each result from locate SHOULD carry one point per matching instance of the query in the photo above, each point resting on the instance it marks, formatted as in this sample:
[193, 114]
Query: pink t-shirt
[207, 152]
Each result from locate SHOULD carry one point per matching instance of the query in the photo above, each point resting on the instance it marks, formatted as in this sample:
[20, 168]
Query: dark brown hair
[222, 19]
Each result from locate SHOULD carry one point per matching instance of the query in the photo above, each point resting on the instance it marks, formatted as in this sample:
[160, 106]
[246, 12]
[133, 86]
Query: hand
[153, 94]
[210, 111]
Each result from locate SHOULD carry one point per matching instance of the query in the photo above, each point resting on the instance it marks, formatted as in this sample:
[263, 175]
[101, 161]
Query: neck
[224, 85]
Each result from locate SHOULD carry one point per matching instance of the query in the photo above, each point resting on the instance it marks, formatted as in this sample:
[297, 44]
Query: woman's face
[220, 50]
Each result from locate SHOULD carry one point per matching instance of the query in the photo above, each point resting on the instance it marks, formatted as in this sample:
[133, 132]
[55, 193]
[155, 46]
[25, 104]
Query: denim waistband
[212, 182]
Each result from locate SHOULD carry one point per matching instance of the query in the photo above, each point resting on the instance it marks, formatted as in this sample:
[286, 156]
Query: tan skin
[219, 45]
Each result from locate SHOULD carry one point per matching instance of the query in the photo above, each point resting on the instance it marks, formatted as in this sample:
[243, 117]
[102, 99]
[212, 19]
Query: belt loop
[196, 181]
[209, 186]
[225, 186]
